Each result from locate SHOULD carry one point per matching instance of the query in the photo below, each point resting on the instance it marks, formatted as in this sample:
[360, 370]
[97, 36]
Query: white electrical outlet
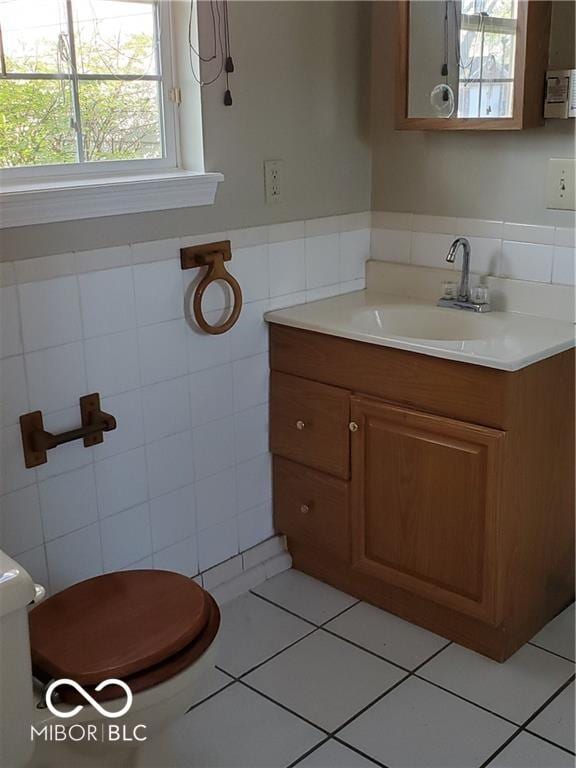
[274, 180]
[560, 184]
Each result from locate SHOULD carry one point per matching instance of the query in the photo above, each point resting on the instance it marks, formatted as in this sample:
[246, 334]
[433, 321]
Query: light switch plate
[560, 184]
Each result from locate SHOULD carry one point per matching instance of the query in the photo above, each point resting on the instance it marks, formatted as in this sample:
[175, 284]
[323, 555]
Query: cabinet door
[425, 497]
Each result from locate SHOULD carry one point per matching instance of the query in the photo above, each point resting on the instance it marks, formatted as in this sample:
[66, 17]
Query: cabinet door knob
[305, 508]
[353, 427]
[300, 425]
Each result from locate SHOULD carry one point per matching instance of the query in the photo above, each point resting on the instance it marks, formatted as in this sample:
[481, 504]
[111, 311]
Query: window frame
[171, 160]
[491, 25]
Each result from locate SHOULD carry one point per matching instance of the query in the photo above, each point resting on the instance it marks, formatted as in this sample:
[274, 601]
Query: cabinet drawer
[309, 423]
[312, 508]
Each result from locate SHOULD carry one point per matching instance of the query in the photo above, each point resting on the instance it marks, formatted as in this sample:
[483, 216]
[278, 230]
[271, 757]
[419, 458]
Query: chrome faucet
[463, 300]
[464, 286]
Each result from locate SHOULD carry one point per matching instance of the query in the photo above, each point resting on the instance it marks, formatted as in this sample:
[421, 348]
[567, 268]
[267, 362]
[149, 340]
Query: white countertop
[504, 340]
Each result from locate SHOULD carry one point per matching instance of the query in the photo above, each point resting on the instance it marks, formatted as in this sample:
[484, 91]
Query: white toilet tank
[17, 590]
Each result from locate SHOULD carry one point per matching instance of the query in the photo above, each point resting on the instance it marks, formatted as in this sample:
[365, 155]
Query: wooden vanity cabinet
[438, 490]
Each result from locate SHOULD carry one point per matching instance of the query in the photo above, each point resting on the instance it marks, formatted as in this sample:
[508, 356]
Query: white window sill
[66, 199]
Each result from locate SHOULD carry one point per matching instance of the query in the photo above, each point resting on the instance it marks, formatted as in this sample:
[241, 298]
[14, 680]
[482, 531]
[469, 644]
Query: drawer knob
[353, 427]
[305, 509]
[300, 425]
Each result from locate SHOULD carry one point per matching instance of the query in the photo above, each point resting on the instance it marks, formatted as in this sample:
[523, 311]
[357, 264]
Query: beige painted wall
[300, 93]
[495, 175]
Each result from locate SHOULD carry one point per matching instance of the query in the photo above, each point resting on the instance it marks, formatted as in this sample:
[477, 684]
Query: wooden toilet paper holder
[212, 256]
[36, 441]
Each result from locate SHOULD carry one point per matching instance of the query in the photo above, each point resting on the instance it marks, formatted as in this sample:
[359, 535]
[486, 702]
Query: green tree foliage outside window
[120, 118]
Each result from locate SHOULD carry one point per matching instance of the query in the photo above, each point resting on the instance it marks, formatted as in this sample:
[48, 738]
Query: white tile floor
[309, 676]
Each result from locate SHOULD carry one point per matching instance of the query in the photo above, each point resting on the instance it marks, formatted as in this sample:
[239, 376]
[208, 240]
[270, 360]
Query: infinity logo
[104, 684]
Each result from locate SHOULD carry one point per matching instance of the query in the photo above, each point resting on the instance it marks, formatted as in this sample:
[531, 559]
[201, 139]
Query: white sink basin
[433, 323]
[500, 340]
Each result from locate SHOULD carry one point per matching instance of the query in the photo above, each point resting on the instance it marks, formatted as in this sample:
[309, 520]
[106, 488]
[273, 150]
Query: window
[87, 127]
[84, 85]
[486, 53]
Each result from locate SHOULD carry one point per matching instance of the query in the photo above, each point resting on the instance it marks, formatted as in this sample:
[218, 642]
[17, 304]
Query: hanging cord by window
[229, 63]
[220, 47]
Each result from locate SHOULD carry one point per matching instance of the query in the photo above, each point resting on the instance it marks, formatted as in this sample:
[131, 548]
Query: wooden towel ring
[213, 256]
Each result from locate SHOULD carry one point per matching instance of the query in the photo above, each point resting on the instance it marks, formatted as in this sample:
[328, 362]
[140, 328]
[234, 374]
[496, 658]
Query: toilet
[154, 631]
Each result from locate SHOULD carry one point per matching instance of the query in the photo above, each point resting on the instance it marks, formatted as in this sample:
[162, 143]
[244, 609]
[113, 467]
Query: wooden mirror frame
[530, 64]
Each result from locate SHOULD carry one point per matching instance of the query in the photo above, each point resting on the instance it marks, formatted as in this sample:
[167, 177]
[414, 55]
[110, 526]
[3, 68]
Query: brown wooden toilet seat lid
[116, 625]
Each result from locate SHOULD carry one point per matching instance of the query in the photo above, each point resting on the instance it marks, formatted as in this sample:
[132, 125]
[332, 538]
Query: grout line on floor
[413, 674]
[501, 748]
[469, 701]
[324, 627]
[366, 650]
[284, 707]
[277, 605]
[337, 615]
[211, 695]
[267, 659]
[309, 752]
[410, 673]
[370, 704]
[433, 656]
[523, 728]
[359, 752]
[553, 653]
[549, 741]
[549, 700]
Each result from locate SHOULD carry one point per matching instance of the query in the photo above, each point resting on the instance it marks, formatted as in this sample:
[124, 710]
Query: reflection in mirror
[461, 58]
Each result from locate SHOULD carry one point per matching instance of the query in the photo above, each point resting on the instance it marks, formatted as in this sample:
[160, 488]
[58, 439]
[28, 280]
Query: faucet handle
[449, 289]
[480, 294]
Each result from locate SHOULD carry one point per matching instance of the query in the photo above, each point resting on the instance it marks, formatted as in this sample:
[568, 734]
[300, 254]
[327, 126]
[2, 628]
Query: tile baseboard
[247, 570]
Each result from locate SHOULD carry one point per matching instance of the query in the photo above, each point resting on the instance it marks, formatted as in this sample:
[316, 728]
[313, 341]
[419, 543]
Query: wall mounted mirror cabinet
[472, 64]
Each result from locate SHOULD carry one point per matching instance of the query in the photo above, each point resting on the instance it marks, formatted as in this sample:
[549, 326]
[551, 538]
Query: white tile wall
[74, 557]
[181, 557]
[50, 313]
[217, 543]
[527, 261]
[107, 301]
[163, 351]
[322, 260]
[173, 517]
[518, 251]
[10, 332]
[184, 482]
[287, 267]
[166, 408]
[126, 537]
[564, 265]
[121, 482]
[211, 394]
[14, 400]
[112, 363]
[20, 520]
[56, 376]
[429, 249]
[216, 499]
[68, 502]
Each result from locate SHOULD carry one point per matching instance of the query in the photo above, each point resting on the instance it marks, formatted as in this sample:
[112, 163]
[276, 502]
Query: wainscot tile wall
[499, 248]
[184, 481]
